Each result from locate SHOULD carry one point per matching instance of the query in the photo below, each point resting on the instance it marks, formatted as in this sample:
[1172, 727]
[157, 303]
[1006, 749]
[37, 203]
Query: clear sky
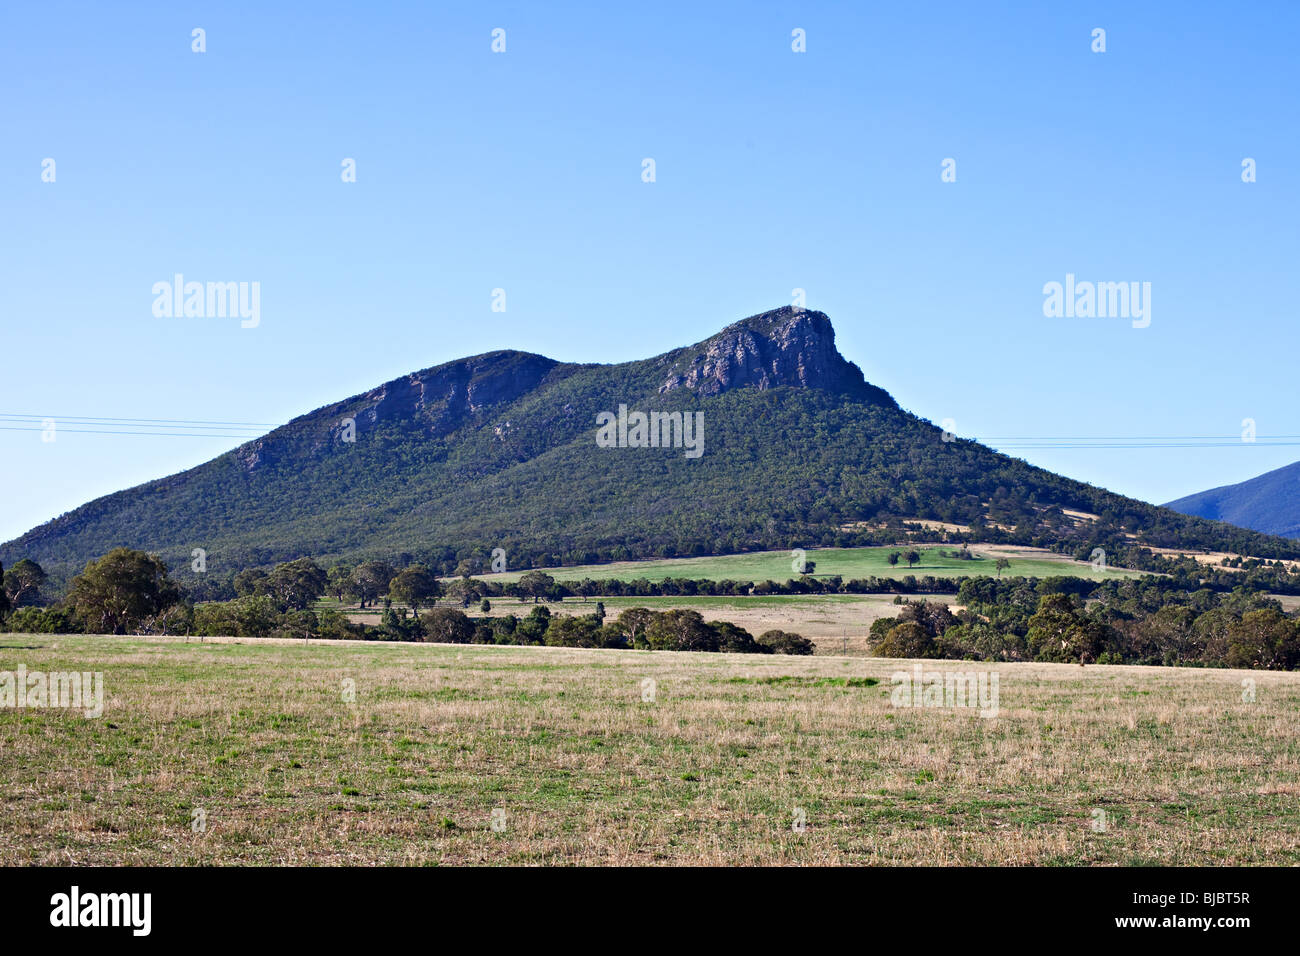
[775, 170]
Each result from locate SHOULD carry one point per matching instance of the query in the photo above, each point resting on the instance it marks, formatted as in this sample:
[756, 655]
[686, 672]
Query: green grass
[846, 562]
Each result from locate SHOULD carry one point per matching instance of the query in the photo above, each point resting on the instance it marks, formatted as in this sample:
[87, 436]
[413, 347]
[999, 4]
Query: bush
[908, 639]
[783, 642]
[568, 631]
[335, 626]
[445, 625]
[42, 620]
[297, 624]
[1264, 639]
[532, 629]
[681, 631]
[215, 619]
[1059, 631]
[736, 640]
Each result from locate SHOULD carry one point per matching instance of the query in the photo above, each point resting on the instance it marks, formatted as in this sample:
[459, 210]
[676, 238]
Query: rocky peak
[786, 346]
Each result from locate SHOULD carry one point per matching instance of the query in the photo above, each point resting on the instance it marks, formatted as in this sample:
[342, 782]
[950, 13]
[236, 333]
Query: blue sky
[775, 170]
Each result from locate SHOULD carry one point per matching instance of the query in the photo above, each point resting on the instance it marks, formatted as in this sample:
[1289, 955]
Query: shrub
[681, 631]
[445, 625]
[736, 640]
[783, 642]
[908, 639]
[568, 631]
[334, 625]
[42, 620]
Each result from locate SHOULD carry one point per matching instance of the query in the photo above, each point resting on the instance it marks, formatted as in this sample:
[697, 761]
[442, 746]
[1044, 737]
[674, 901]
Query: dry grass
[258, 736]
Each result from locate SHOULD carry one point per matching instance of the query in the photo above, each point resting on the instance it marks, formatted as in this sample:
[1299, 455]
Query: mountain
[1269, 503]
[500, 451]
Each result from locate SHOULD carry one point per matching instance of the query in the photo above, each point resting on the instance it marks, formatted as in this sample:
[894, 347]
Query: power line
[92, 431]
[135, 421]
[62, 423]
[164, 427]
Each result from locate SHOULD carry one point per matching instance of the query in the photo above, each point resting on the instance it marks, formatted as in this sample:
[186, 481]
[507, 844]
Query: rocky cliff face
[787, 346]
[449, 393]
[440, 399]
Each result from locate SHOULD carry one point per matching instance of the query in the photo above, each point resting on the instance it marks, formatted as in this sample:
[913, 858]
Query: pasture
[847, 562]
[268, 752]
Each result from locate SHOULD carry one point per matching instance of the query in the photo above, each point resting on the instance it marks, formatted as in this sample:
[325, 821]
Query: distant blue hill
[1269, 503]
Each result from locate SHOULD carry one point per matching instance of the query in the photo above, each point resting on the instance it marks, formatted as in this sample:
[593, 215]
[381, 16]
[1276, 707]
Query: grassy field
[847, 562]
[1103, 765]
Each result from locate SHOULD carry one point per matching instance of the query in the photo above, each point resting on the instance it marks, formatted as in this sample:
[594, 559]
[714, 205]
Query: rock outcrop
[787, 346]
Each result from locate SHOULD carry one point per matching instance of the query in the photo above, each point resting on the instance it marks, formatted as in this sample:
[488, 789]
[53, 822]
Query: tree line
[131, 592]
[1198, 615]
[1147, 621]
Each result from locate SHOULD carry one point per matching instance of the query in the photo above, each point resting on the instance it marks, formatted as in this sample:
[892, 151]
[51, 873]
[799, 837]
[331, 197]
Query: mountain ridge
[497, 450]
[1268, 503]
